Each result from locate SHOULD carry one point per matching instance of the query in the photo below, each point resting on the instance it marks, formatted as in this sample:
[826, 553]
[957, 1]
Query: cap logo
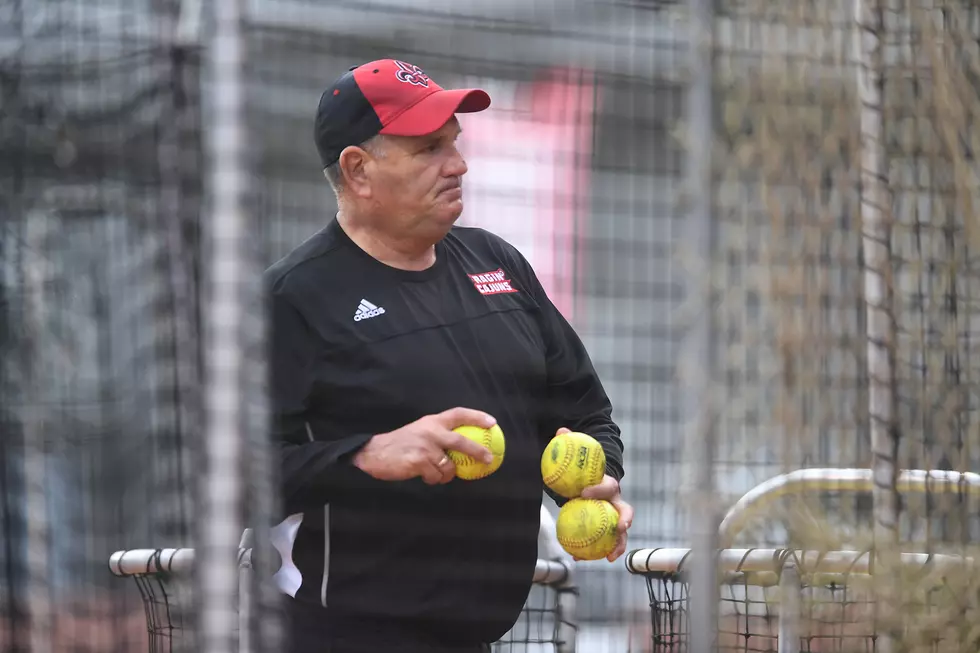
[411, 74]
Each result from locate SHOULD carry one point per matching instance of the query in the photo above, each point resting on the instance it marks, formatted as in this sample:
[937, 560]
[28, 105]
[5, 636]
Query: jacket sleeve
[312, 470]
[575, 398]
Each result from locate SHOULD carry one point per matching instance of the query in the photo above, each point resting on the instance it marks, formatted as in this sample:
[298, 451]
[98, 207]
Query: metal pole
[789, 608]
[876, 246]
[705, 518]
[550, 549]
[222, 521]
[245, 592]
[37, 270]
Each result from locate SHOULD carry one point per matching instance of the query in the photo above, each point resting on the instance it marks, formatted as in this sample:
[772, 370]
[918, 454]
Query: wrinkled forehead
[450, 129]
[448, 132]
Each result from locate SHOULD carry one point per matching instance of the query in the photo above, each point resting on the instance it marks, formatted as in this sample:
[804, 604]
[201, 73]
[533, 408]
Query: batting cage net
[546, 624]
[759, 215]
[835, 314]
[820, 599]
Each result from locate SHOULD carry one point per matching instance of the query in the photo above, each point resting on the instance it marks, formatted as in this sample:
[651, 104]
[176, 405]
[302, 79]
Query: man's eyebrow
[436, 137]
[445, 135]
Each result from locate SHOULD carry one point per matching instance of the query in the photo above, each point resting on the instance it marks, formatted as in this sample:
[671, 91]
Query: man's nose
[456, 167]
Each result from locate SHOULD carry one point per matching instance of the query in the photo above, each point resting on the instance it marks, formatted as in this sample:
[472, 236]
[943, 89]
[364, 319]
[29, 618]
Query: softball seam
[561, 468]
[468, 461]
[589, 541]
[594, 467]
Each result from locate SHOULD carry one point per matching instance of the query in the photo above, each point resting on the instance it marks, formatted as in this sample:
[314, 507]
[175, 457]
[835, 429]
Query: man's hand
[419, 448]
[608, 489]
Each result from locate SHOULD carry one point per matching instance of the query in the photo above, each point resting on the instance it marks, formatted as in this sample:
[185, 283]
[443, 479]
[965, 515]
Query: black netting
[99, 194]
[106, 107]
[837, 612]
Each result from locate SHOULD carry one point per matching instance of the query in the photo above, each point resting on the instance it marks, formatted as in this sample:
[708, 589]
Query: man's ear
[355, 164]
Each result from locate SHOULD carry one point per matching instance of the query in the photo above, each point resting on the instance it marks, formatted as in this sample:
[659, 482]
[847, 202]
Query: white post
[876, 244]
[188, 32]
[699, 193]
[245, 603]
[550, 549]
[36, 270]
[221, 525]
[244, 606]
[789, 608]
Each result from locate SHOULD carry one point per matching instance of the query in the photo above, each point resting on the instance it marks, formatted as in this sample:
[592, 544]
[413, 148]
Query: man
[391, 327]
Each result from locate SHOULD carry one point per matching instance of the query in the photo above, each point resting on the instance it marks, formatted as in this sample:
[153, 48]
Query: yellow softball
[572, 462]
[587, 528]
[492, 438]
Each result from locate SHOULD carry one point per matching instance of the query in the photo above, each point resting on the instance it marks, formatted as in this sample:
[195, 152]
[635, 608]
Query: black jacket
[360, 348]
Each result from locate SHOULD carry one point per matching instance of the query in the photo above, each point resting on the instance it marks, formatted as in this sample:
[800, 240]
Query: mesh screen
[99, 192]
[841, 283]
[576, 165]
[837, 613]
[105, 108]
[792, 262]
[537, 629]
[170, 622]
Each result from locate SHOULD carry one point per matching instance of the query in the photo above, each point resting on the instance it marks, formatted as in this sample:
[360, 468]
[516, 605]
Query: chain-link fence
[735, 305]
[841, 298]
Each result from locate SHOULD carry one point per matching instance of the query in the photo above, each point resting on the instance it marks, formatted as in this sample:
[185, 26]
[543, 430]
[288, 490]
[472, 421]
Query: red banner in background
[529, 158]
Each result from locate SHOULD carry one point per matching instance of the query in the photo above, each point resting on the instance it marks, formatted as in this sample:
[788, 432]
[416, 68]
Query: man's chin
[439, 223]
[450, 213]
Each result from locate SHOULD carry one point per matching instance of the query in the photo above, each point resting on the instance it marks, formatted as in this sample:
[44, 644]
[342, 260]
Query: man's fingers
[562, 430]
[431, 473]
[460, 416]
[625, 511]
[447, 468]
[607, 489]
[620, 548]
[452, 441]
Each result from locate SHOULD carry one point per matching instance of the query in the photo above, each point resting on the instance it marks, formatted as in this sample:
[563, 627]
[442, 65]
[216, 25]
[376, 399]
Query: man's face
[418, 182]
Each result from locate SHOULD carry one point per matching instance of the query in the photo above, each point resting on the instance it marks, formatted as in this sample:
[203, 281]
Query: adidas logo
[366, 310]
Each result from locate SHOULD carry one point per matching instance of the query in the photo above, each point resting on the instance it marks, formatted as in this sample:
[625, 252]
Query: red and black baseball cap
[386, 97]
